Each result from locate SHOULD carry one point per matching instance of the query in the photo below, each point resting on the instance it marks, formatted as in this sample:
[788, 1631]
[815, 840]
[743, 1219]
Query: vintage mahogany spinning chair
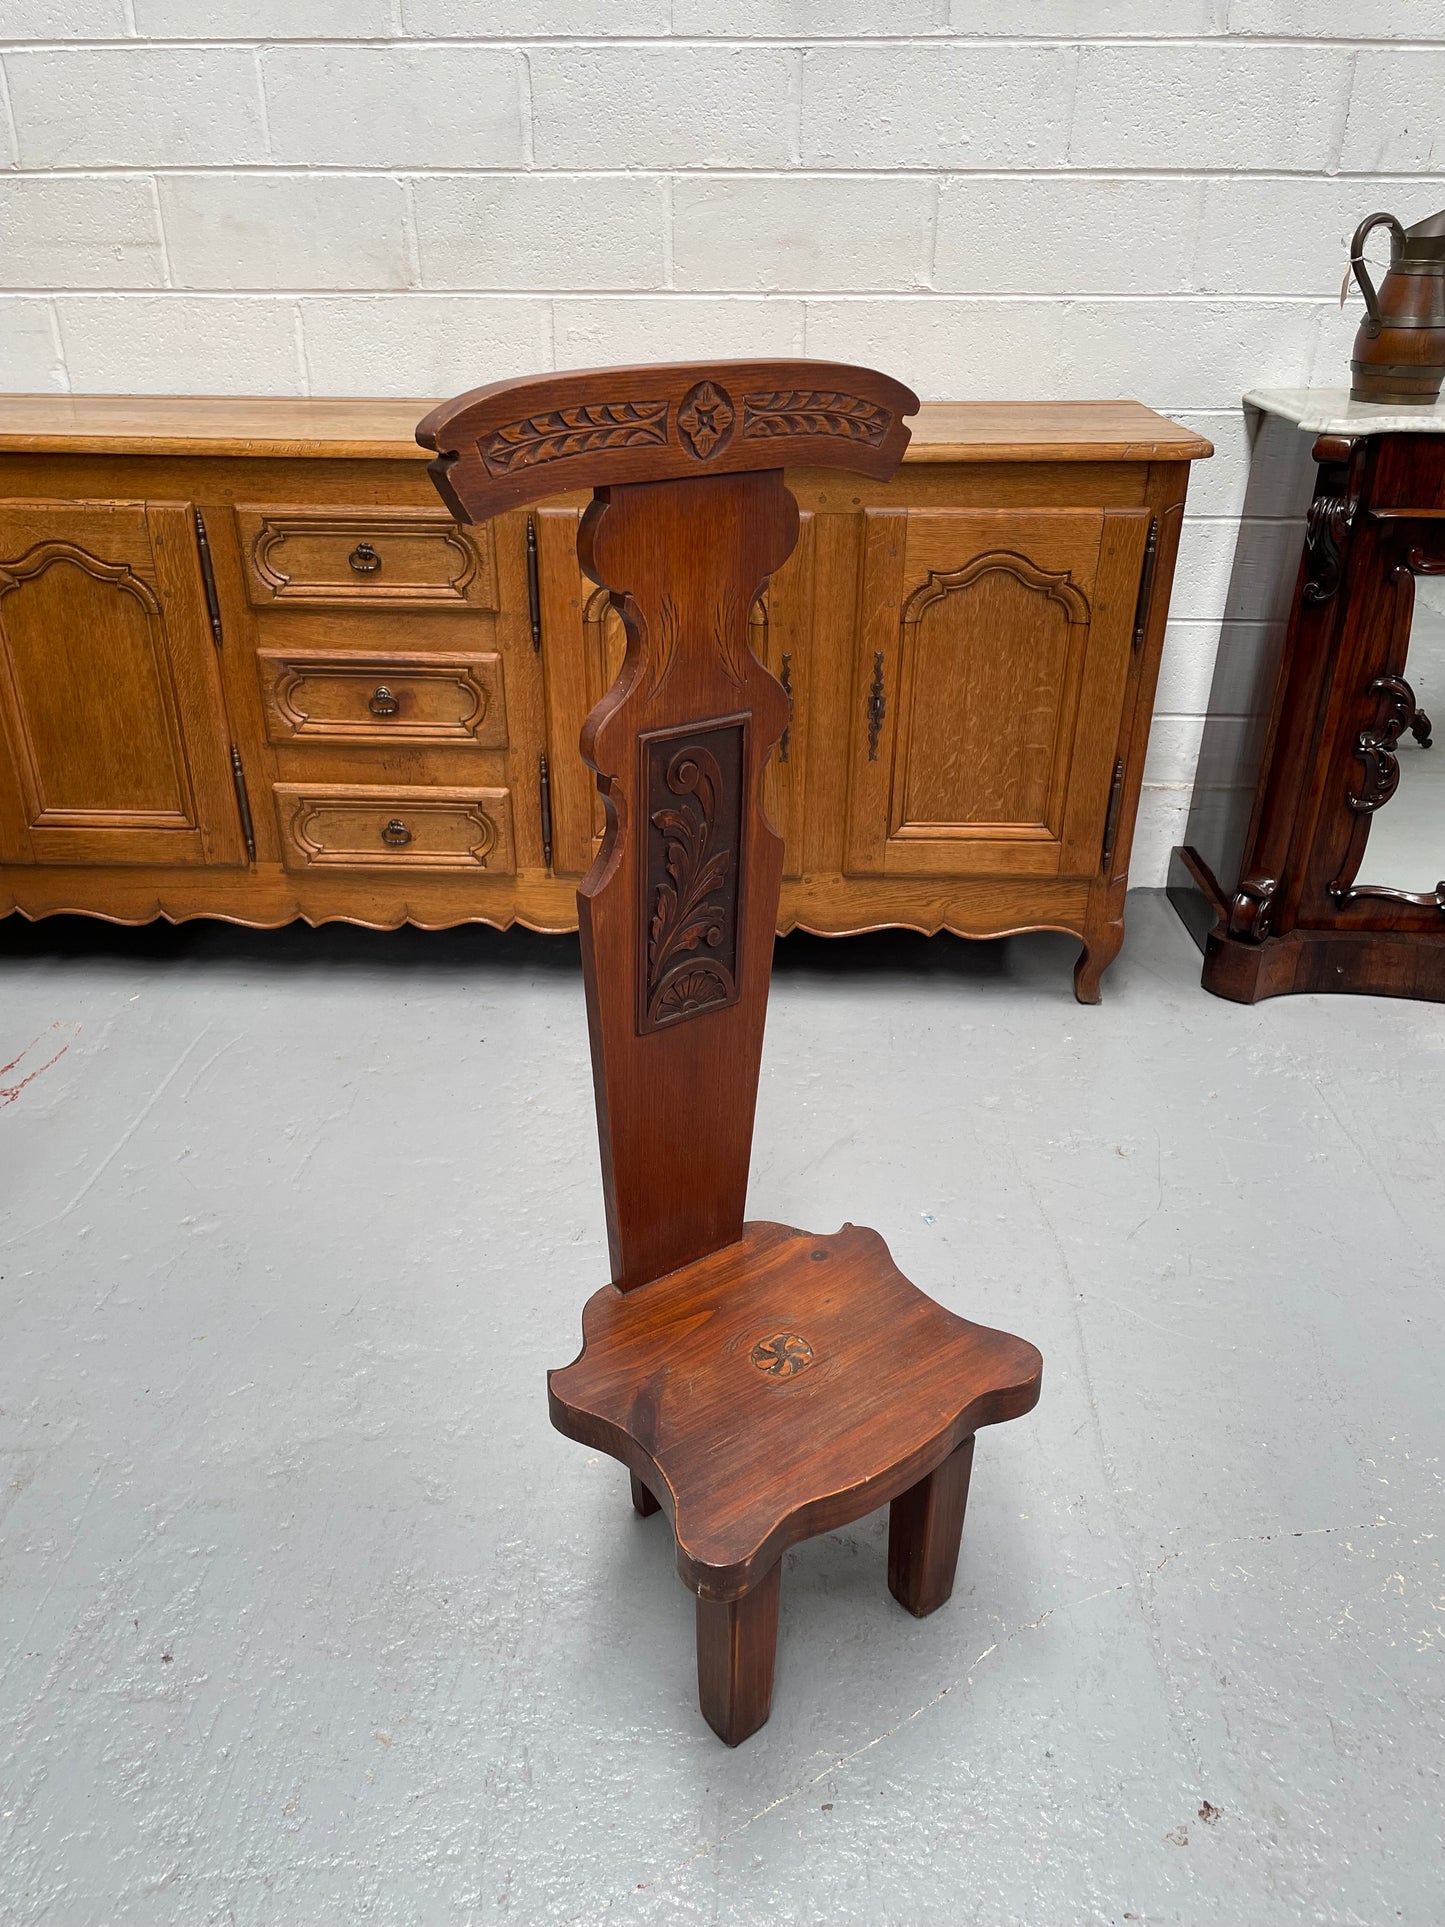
[761, 1384]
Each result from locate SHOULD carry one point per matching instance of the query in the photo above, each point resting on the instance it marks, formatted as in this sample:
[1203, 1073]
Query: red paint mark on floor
[9, 1092]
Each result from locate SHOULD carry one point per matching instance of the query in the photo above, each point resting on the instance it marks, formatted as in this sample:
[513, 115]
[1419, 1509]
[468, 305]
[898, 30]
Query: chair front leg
[925, 1525]
[737, 1642]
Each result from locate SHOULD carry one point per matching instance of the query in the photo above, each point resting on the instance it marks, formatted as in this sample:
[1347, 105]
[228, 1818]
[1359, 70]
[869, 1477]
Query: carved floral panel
[692, 826]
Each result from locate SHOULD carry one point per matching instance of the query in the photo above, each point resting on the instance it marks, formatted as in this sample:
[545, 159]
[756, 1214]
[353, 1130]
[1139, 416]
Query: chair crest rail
[515, 442]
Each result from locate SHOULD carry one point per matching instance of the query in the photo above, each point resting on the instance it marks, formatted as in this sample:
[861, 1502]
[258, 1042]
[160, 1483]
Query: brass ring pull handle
[396, 833]
[1373, 323]
[364, 559]
[382, 702]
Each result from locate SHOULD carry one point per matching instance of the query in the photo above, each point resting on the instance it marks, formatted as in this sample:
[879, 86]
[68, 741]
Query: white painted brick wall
[655, 105]
[610, 231]
[1065, 198]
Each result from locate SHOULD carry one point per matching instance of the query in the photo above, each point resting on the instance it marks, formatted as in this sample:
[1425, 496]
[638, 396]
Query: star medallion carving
[705, 419]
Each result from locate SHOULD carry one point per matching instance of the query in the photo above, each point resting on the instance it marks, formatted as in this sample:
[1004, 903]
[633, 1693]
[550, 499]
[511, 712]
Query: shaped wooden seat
[781, 1387]
[762, 1384]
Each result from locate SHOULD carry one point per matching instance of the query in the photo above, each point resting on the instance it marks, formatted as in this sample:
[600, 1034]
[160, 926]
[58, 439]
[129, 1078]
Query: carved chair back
[690, 516]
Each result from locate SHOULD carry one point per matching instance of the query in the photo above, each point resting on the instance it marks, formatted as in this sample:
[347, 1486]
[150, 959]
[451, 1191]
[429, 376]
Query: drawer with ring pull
[324, 558]
[354, 826]
[354, 696]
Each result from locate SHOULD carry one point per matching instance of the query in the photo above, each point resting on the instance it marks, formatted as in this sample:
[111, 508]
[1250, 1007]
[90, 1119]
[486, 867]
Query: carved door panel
[109, 695]
[993, 654]
[584, 642]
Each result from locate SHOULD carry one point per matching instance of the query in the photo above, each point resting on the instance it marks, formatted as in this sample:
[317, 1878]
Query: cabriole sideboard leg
[737, 1641]
[925, 1526]
[1102, 945]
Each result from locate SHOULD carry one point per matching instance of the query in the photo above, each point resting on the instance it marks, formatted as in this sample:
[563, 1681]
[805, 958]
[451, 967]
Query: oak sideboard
[250, 668]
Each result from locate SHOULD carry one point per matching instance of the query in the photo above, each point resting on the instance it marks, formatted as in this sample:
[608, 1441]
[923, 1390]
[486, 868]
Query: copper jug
[1400, 348]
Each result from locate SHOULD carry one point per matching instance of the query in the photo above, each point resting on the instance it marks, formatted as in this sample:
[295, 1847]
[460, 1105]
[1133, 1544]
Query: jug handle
[1362, 273]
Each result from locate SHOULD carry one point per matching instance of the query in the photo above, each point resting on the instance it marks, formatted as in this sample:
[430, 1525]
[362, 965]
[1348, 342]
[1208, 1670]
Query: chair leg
[737, 1641]
[925, 1524]
[642, 1498]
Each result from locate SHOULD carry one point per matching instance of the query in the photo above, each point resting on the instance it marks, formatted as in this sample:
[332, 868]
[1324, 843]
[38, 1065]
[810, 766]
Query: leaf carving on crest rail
[814, 411]
[691, 877]
[560, 432]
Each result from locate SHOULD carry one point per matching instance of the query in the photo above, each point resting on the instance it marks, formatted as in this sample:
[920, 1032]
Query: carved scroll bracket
[1331, 517]
[1415, 899]
[1253, 907]
[1376, 746]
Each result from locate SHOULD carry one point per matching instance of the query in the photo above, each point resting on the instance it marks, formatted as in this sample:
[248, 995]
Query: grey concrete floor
[310, 1617]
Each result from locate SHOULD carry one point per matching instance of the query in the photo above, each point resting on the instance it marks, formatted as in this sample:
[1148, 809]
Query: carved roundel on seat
[783, 1355]
[705, 418]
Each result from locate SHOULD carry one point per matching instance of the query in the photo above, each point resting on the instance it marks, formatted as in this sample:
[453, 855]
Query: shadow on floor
[905, 953]
[203, 942]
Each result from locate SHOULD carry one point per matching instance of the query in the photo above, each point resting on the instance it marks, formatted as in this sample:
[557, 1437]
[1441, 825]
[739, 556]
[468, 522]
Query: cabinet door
[993, 655]
[583, 644]
[109, 693]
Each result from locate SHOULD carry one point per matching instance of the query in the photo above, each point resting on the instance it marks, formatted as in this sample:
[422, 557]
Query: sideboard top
[285, 427]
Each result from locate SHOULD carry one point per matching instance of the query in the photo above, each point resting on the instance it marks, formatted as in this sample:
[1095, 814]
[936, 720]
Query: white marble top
[1329, 411]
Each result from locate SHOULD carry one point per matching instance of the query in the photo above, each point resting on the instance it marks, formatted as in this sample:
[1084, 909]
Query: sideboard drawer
[353, 826]
[321, 558]
[335, 696]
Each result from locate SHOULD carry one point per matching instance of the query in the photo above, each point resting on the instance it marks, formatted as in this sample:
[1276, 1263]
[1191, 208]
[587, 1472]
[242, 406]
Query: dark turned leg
[925, 1524]
[642, 1498]
[737, 1640]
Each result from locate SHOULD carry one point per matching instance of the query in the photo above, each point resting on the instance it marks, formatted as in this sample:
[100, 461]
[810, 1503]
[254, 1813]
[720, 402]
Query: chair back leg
[642, 1499]
[925, 1526]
